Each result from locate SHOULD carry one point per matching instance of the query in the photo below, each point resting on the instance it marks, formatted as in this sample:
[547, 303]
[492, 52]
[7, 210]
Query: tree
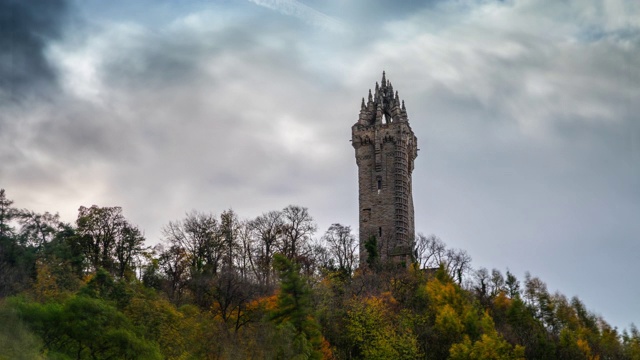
[17, 262]
[268, 229]
[297, 229]
[85, 328]
[37, 229]
[371, 247]
[230, 231]
[431, 252]
[7, 213]
[17, 342]
[294, 309]
[231, 296]
[174, 264]
[199, 235]
[343, 247]
[375, 331]
[107, 240]
[129, 244]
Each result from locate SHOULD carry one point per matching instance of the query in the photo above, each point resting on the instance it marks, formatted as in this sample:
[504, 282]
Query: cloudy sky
[526, 113]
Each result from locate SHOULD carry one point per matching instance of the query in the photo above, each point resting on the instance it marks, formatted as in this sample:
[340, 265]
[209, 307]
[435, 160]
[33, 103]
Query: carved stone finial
[384, 81]
[403, 108]
[370, 96]
[362, 105]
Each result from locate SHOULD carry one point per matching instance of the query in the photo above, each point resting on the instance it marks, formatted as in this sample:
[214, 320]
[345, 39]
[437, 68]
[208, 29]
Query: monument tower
[385, 151]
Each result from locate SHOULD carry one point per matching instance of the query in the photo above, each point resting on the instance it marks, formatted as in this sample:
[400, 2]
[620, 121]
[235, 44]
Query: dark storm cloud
[194, 106]
[26, 27]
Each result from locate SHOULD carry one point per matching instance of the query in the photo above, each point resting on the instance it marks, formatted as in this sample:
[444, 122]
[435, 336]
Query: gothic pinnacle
[403, 108]
[370, 97]
[362, 105]
[384, 81]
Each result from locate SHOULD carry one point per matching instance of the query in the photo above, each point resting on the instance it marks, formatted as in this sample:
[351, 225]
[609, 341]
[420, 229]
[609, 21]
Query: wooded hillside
[220, 287]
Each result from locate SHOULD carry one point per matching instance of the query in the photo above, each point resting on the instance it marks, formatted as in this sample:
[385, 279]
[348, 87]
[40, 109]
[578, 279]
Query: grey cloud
[529, 141]
[27, 27]
[179, 115]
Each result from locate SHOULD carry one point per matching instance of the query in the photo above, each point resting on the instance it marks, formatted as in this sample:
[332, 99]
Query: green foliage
[371, 246]
[101, 285]
[17, 342]
[84, 328]
[210, 295]
[293, 309]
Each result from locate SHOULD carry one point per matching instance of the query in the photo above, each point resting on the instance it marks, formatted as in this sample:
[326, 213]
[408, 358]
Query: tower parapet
[385, 149]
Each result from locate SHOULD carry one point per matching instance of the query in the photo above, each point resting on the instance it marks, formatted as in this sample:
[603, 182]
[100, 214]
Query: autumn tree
[376, 330]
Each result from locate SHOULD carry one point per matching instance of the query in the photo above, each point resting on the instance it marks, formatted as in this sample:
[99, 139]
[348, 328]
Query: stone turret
[385, 152]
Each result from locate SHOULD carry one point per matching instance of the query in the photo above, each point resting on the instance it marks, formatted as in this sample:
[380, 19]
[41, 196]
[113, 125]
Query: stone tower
[385, 151]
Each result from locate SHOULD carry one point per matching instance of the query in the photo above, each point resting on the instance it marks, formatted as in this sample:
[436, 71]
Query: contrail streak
[303, 12]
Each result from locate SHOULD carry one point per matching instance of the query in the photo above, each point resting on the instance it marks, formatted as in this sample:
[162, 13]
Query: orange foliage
[501, 301]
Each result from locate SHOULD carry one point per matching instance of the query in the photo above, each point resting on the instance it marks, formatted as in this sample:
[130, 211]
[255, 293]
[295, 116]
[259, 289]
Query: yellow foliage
[583, 345]
[448, 322]
[46, 286]
[501, 301]
[488, 347]
[374, 329]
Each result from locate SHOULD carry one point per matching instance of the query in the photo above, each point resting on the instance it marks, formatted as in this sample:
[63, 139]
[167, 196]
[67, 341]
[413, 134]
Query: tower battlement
[385, 149]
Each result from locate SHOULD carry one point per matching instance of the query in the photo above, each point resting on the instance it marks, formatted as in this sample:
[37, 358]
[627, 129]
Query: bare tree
[267, 229]
[199, 235]
[174, 264]
[297, 230]
[243, 262]
[431, 252]
[230, 228]
[343, 247]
